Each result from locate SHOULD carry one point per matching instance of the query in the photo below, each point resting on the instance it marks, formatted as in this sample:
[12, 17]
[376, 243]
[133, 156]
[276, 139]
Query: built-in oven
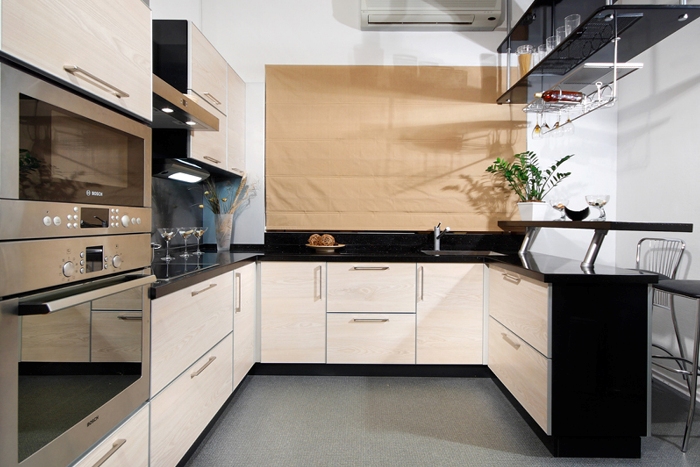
[75, 256]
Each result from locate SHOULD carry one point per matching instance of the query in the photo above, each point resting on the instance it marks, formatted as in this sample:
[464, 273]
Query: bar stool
[688, 289]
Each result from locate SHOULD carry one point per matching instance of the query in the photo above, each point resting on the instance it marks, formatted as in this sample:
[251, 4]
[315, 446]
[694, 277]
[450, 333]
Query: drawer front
[115, 336]
[372, 287]
[523, 370]
[127, 445]
[184, 325]
[183, 409]
[371, 338]
[522, 305]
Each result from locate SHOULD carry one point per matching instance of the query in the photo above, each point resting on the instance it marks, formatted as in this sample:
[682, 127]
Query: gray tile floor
[399, 421]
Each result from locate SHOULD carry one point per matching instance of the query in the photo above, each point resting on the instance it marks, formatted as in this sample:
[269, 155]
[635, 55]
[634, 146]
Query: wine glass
[198, 232]
[559, 205]
[537, 131]
[186, 232]
[598, 201]
[167, 233]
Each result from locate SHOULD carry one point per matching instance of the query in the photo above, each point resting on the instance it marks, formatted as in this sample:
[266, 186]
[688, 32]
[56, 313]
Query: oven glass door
[85, 352]
[67, 157]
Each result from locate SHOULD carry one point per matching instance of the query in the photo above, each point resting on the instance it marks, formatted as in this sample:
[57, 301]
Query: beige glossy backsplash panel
[386, 148]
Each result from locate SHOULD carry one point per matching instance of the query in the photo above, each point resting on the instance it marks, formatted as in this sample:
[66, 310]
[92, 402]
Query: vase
[533, 210]
[223, 224]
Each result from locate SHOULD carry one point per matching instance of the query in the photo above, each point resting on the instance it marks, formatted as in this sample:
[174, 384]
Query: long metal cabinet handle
[511, 277]
[51, 306]
[129, 318]
[370, 320]
[238, 293]
[515, 345]
[211, 159]
[370, 268]
[115, 447]
[73, 69]
[211, 96]
[204, 367]
[197, 292]
[420, 284]
[318, 269]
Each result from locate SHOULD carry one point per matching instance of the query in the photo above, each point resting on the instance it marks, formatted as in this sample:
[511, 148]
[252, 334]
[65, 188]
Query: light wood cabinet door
[127, 445]
[243, 322]
[371, 338]
[522, 305]
[183, 409]
[450, 314]
[109, 40]
[293, 312]
[184, 325]
[523, 370]
[372, 287]
[210, 146]
[236, 122]
[207, 72]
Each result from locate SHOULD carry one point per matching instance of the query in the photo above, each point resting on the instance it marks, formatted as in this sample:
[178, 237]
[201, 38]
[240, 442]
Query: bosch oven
[75, 266]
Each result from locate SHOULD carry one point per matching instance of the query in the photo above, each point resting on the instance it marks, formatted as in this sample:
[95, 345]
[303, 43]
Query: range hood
[173, 110]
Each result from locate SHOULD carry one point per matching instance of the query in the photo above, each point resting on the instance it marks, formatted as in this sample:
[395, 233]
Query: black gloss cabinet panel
[600, 373]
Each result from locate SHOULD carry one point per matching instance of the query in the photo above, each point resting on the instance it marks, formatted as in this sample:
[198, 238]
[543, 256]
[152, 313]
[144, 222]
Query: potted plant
[223, 204]
[528, 181]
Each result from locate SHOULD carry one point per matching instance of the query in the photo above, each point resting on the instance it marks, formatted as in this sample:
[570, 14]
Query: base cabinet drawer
[185, 324]
[522, 305]
[371, 287]
[127, 445]
[523, 370]
[371, 338]
[184, 408]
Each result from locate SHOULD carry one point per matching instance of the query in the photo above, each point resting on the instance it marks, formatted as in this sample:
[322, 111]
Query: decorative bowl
[577, 215]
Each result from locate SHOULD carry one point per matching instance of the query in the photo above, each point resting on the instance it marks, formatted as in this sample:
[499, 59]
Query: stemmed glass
[559, 205]
[186, 232]
[198, 232]
[598, 201]
[537, 131]
[167, 233]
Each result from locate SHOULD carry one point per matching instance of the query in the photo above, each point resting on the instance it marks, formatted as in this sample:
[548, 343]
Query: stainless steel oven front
[75, 256]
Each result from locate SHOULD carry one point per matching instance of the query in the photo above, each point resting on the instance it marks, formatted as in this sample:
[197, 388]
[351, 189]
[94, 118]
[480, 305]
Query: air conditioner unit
[431, 15]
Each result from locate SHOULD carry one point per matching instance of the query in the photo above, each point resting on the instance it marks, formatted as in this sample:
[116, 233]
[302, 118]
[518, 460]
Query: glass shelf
[638, 27]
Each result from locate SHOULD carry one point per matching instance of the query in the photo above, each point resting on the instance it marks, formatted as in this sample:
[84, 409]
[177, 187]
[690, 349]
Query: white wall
[659, 159]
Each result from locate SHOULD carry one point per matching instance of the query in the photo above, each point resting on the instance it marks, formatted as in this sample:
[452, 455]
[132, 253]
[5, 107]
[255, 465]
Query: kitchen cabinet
[235, 117]
[182, 410]
[372, 338]
[450, 314]
[185, 59]
[127, 445]
[372, 287]
[100, 48]
[244, 293]
[293, 312]
[185, 324]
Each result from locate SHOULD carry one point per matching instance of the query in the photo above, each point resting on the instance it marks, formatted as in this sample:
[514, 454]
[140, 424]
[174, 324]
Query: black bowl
[577, 215]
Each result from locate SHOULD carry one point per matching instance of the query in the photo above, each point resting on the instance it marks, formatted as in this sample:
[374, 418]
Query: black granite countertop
[401, 247]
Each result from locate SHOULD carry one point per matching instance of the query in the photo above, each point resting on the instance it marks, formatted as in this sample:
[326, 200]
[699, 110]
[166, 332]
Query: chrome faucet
[437, 235]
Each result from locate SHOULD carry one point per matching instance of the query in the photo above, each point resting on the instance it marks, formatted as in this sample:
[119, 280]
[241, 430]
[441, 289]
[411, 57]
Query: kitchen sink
[461, 253]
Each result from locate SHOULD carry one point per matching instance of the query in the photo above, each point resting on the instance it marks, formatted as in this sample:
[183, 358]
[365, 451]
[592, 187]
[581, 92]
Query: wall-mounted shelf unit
[638, 27]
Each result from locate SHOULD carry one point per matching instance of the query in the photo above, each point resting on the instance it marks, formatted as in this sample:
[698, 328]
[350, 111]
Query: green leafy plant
[524, 176]
[226, 201]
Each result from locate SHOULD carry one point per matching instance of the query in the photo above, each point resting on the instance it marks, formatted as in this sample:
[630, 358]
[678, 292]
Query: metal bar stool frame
[689, 289]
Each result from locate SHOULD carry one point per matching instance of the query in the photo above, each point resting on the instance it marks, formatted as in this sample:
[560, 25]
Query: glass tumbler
[561, 34]
[571, 22]
[525, 58]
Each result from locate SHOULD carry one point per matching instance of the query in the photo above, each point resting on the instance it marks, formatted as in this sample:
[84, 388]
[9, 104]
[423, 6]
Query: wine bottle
[557, 95]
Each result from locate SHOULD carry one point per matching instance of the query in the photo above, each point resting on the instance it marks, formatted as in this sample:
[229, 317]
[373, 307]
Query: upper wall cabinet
[236, 122]
[100, 48]
[186, 60]
[586, 55]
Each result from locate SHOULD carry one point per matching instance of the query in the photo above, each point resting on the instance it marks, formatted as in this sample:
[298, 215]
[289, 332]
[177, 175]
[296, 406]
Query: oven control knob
[125, 220]
[68, 269]
[117, 261]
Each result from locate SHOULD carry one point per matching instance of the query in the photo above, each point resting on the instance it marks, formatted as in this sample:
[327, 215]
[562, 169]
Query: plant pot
[223, 224]
[533, 210]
